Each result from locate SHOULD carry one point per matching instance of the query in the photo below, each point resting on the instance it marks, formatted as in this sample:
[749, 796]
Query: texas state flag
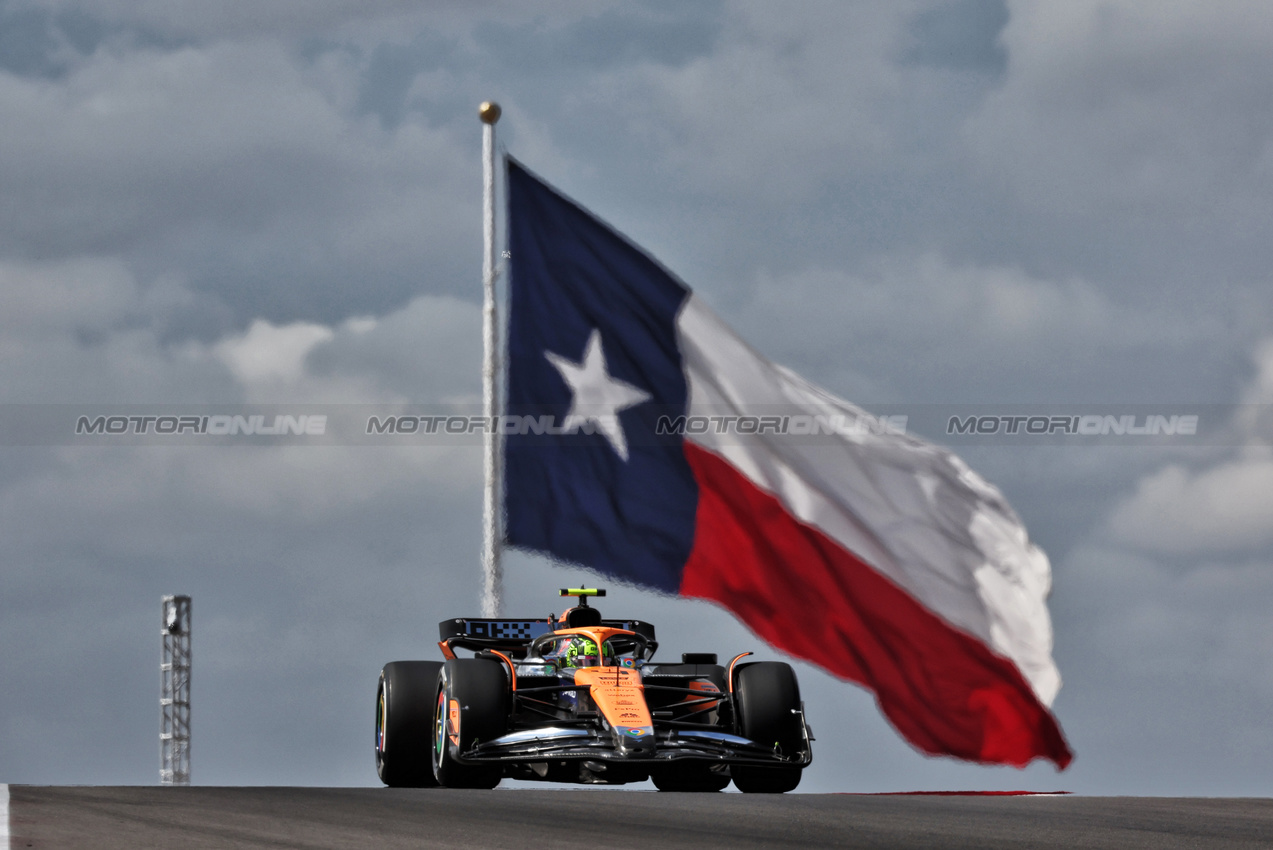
[879, 557]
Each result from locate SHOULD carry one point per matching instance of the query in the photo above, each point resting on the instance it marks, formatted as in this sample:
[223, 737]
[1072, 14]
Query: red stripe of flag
[943, 690]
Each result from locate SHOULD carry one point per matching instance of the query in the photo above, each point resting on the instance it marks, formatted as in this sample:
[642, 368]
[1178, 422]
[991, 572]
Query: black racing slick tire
[472, 704]
[767, 699]
[404, 723]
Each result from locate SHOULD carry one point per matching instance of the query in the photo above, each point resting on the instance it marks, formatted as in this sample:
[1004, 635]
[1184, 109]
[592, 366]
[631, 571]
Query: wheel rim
[439, 727]
[380, 722]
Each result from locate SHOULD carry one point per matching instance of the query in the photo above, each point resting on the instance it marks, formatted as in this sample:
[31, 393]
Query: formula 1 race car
[578, 699]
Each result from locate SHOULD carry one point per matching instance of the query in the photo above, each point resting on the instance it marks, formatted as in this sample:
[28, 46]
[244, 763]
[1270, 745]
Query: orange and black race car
[578, 698]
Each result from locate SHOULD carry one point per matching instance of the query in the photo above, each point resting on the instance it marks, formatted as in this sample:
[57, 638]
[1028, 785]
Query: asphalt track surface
[199, 817]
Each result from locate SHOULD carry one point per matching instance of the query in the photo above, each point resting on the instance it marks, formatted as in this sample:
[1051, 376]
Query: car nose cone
[634, 741]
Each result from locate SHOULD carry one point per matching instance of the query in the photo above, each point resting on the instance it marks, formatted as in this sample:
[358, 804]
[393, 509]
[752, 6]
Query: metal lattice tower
[174, 693]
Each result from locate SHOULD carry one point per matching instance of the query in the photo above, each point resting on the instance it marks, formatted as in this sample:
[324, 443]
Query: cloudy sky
[915, 204]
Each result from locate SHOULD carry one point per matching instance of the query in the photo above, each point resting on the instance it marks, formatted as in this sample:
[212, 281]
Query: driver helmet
[582, 652]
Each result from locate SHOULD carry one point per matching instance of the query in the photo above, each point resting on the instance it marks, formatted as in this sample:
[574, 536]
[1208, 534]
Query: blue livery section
[572, 495]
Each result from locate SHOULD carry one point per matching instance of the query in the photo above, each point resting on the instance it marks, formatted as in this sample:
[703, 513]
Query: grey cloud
[193, 22]
[30, 42]
[963, 35]
[1126, 123]
[1222, 506]
[1156, 662]
[923, 326]
[234, 164]
[307, 569]
[632, 34]
[222, 20]
[868, 192]
[429, 350]
[87, 329]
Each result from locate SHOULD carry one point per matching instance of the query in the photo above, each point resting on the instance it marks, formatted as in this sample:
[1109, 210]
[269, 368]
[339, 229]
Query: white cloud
[427, 351]
[268, 352]
[1223, 508]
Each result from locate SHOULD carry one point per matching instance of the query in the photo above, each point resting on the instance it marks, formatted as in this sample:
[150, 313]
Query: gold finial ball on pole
[489, 112]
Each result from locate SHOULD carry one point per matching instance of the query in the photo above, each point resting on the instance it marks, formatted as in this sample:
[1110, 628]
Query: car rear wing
[505, 632]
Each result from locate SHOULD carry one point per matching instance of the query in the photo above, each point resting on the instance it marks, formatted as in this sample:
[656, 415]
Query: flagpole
[492, 571]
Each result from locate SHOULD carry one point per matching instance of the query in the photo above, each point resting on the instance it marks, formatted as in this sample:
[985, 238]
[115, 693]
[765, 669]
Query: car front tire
[404, 723]
[767, 699]
[478, 690]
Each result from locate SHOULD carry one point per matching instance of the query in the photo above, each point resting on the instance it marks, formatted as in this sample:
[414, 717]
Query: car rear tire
[478, 689]
[767, 698]
[404, 723]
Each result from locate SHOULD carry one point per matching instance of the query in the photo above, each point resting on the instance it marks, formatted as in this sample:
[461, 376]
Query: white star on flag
[597, 396]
